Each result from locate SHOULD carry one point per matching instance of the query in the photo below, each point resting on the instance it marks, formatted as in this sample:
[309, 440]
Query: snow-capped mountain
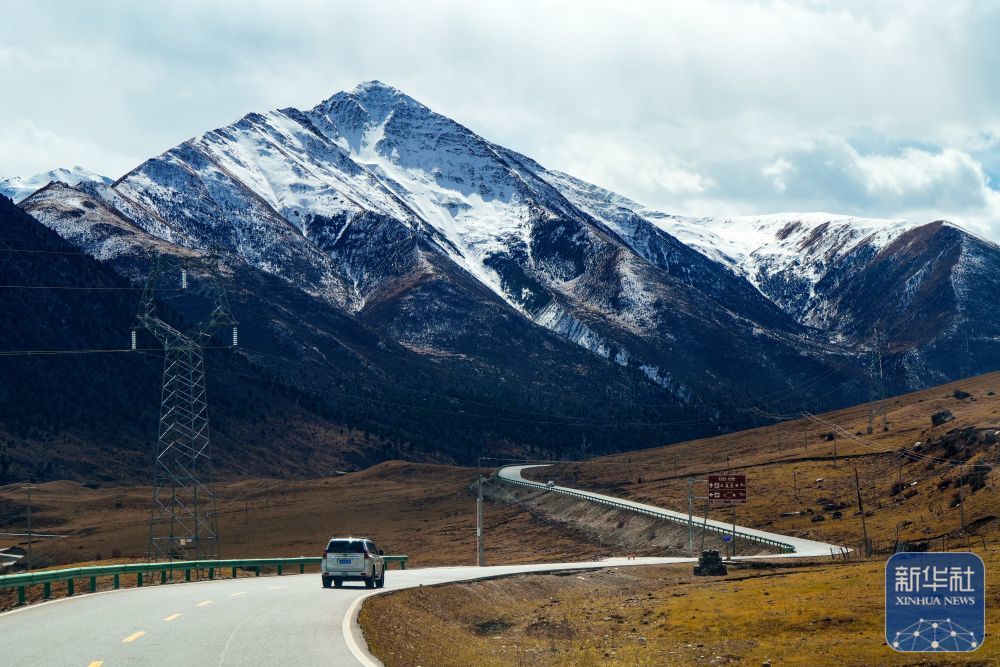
[372, 206]
[17, 187]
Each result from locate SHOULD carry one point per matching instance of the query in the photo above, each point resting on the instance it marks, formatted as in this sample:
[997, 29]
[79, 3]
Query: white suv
[352, 559]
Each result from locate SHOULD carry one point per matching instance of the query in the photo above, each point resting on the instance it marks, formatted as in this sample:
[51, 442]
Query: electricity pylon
[183, 516]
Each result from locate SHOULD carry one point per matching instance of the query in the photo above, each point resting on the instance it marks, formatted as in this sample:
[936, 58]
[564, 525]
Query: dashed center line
[96, 663]
[240, 593]
[274, 588]
[202, 604]
[172, 617]
[132, 637]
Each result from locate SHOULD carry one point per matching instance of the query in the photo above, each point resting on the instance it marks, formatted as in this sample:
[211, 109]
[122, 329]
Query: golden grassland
[785, 614]
[424, 511]
[792, 467]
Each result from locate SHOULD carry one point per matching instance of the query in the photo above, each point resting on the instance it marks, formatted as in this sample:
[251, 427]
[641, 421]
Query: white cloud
[777, 171]
[28, 150]
[877, 108]
[624, 164]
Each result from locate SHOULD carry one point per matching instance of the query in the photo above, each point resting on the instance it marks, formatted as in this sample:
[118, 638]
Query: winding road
[803, 547]
[288, 620]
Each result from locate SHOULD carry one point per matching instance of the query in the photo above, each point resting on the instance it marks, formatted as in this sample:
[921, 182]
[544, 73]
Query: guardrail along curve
[784, 547]
[48, 577]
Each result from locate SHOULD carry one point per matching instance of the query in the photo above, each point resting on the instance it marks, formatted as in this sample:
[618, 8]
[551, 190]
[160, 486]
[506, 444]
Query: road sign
[727, 489]
[727, 538]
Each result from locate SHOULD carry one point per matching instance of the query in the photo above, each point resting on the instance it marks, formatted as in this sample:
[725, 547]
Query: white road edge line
[347, 626]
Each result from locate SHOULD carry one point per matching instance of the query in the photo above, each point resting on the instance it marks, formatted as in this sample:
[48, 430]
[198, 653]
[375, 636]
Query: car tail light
[367, 555]
[325, 553]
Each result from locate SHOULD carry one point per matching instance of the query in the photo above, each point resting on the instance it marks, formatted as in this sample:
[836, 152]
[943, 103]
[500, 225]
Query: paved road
[803, 547]
[289, 620]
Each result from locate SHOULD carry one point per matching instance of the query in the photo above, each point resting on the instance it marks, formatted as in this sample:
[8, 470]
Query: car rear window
[346, 546]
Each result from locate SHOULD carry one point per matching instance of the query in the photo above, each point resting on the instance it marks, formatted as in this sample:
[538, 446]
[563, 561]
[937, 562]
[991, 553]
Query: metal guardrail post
[47, 591]
[70, 587]
[20, 595]
[117, 581]
[93, 584]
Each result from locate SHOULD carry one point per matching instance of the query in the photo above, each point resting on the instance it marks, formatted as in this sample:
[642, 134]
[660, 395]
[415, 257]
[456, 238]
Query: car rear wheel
[381, 580]
[337, 582]
[370, 581]
[326, 582]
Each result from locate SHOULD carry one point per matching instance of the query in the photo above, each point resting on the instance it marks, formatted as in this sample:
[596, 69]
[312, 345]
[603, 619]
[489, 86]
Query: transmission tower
[183, 521]
[876, 382]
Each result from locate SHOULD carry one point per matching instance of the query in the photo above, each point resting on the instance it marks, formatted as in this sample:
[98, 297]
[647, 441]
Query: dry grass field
[794, 467]
[425, 511]
[806, 615]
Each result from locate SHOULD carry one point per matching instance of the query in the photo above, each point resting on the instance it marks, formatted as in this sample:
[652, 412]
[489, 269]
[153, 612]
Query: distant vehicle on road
[550, 484]
[352, 559]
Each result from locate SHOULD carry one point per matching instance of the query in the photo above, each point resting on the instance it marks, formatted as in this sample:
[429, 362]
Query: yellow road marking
[240, 593]
[172, 617]
[274, 588]
[96, 663]
[132, 637]
[202, 604]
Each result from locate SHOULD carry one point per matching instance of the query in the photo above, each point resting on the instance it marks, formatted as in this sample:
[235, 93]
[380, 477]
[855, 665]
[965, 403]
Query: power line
[87, 288]
[43, 353]
[693, 422]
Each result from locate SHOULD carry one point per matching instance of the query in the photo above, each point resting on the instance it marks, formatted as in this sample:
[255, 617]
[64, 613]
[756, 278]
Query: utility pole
[28, 489]
[795, 483]
[183, 519]
[733, 545]
[881, 383]
[835, 451]
[479, 518]
[690, 517]
[861, 508]
[961, 495]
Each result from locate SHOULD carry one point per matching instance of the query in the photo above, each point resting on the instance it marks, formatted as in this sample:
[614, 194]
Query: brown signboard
[727, 489]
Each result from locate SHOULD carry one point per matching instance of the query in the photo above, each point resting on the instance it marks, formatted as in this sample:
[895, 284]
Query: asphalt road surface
[288, 620]
[803, 547]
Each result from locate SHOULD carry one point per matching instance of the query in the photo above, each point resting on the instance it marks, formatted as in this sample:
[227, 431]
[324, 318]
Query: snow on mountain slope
[787, 256]
[405, 219]
[18, 188]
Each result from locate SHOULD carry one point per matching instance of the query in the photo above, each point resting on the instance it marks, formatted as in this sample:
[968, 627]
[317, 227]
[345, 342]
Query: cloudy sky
[888, 109]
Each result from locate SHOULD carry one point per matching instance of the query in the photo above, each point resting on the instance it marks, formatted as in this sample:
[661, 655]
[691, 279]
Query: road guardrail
[165, 569]
[784, 547]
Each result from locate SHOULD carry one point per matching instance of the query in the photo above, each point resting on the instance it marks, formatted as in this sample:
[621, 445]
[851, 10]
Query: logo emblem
[935, 602]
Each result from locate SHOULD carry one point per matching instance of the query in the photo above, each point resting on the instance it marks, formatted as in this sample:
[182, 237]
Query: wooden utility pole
[795, 483]
[961, 495]
[479, 519]
[861, 508]
[834, 451]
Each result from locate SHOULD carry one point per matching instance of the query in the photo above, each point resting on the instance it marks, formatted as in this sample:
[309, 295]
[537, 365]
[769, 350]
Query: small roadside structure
[710, 565]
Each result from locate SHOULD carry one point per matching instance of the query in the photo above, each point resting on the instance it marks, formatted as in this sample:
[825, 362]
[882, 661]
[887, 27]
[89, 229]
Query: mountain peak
[375, 99]
[18, 188]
